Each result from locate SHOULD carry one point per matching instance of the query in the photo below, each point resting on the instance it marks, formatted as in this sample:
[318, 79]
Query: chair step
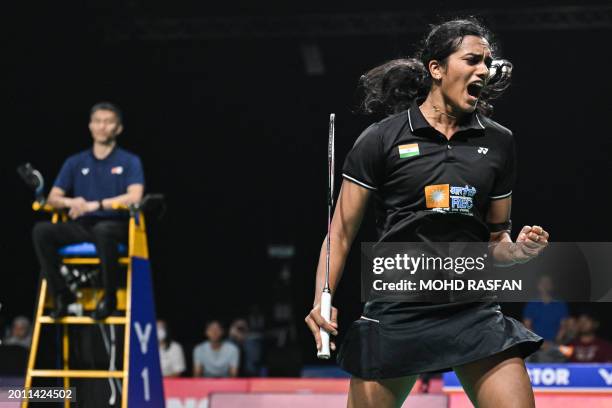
[82, 320]
[77, 373]
[91, 261]
[89, 301]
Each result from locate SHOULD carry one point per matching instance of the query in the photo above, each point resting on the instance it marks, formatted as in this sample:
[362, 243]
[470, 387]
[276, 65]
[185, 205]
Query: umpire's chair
[139, 381]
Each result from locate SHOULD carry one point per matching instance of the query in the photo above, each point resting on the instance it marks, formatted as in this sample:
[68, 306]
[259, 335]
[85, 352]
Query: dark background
[233, 130]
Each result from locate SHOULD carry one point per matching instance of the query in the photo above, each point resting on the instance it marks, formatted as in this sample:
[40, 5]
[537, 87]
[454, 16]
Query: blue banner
[558, 377]
[145, 382]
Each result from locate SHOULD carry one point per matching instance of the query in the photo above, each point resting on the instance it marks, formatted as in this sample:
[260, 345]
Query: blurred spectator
[170, 352]
[256, 319]
[568, 330]
[250, 346]
[551, 353]
[256, 338]
[238, 331]
[20, 334]
[545, 315]
[588, 347]
[215, 357]
[237, 334]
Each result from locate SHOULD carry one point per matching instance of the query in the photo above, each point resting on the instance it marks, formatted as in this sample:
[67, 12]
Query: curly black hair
[391, 87]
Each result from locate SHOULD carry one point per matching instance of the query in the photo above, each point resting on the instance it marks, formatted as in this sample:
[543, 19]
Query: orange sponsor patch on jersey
[437, 196]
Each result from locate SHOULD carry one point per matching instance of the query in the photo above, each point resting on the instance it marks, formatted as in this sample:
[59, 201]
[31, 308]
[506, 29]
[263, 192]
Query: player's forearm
[503, 254]
[501, 248]
[339, 248]
[348, 214]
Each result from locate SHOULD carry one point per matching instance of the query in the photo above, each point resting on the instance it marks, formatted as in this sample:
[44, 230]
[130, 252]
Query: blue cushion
[86, 250]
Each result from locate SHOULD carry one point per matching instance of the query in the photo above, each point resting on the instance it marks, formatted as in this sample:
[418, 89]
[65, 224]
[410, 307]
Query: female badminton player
[437, 136]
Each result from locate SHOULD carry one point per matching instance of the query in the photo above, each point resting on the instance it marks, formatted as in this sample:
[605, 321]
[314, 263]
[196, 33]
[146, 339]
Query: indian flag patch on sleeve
[408, 150]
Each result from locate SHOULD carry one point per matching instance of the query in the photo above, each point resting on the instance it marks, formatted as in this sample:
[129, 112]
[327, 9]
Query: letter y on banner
[145, 386]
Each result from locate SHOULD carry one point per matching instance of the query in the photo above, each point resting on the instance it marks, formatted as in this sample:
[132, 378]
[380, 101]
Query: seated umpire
[88, 185]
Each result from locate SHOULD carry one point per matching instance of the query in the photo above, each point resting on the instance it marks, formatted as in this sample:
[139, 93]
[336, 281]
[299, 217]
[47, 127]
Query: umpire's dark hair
[109, 107]
[391, 87]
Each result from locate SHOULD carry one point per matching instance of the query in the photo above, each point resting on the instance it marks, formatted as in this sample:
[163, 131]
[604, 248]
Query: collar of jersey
[417, 121]
[112, 153]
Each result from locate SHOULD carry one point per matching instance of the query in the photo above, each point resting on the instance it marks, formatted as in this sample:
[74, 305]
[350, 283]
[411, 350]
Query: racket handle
[325, 353]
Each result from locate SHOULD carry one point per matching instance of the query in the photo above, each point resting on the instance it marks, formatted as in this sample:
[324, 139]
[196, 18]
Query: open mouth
[474, 89]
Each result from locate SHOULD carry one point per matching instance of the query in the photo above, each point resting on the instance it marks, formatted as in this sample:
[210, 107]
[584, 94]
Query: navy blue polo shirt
[546, 318]
[83, 175]
[429, 188]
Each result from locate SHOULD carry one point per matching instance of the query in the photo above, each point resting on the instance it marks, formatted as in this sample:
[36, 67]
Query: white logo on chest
[85, 171]
[483, 150]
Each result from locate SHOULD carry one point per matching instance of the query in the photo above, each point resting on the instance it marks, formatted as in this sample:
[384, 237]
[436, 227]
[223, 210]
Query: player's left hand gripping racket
[325, 352]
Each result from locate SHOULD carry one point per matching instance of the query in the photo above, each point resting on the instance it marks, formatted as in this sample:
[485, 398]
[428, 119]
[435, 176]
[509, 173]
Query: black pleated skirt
[399, 339]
